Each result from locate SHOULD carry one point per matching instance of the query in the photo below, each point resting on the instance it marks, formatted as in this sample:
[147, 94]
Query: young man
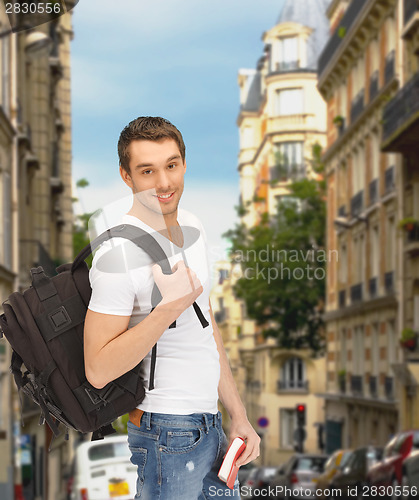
[175, 434]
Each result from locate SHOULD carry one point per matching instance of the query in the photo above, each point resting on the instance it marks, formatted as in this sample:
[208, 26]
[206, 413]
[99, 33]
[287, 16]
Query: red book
[228, 470]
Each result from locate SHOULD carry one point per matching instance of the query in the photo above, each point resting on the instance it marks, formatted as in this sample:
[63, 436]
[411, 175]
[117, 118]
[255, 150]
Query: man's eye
[146, 172]
[173, 165]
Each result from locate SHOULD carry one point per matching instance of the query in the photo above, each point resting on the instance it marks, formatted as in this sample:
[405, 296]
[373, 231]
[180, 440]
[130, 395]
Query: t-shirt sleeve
[113, 291]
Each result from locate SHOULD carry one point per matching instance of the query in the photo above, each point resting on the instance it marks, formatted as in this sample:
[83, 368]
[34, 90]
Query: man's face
[156, 177]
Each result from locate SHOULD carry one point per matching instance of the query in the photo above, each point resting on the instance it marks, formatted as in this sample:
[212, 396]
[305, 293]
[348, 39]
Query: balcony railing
[373, 85]
[372, 286]
[356, 293]
[292, 385]
[356, 384]
[287, 172]
[357, 105]
[389, 282]
[220, 316]
[373, 191]
[357, 203]
[389, 69]
[389, 180]
[410, 8]
[284, 66]
[373, 387]
[342, 298]
[342, 211]
[352, 12]
[413, 234]
[403, 106]
[388, 388]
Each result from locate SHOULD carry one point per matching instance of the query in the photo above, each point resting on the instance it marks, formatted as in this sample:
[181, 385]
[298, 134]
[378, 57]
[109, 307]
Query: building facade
[37, 225]
[400, 135]
[282, 116]
[359, 71]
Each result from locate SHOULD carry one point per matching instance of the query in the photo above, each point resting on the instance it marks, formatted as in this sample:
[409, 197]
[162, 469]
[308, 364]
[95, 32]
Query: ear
[125, 177]
[184, 166]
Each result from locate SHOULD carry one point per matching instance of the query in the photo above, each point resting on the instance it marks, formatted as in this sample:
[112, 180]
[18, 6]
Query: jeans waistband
[194, 419]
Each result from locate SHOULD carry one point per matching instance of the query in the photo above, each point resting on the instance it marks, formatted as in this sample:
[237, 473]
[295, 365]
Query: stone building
[36, 227]
[282, 116]
[400, 132]
[359, 71]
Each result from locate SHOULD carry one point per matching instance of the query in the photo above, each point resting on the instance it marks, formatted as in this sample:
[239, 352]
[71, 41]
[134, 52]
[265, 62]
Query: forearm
[126, 350]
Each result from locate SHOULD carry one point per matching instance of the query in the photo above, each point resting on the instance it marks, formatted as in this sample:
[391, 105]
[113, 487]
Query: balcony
[372, 288]
[373, 387]
[411, 17]
[286, 66]
[342, 211]
[389, 180]
[401, 118]
[373, 85]
[335, 41]
[357, 203]
[284, 173]
[357, 105]
[373, 191]
[389, 282]
[413, 235]
[342, 298]
[356, 385]
[356, 293]
[388, 388]
[290, 123]
[389, 69]
[292, 385]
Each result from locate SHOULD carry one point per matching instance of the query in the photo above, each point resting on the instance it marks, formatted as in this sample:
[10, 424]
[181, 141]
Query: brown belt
[135, 416]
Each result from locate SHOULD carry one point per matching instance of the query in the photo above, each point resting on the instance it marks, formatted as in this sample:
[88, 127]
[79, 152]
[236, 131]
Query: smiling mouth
[165, 197]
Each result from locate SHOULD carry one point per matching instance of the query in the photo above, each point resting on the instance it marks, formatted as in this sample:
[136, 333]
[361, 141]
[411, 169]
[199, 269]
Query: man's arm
[229, 396]
[110, 350]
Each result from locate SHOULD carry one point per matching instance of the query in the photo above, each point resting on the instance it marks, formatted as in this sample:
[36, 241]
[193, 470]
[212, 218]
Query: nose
[163, 182]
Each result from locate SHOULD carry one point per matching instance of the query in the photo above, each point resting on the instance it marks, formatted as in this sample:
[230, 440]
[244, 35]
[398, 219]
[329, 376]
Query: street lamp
[36, 42]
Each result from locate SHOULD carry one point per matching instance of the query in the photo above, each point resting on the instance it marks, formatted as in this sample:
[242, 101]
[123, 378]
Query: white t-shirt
[187, 365]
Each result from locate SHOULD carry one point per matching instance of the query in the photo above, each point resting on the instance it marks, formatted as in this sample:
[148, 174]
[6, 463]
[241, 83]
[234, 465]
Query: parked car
[410, 475]
[301, 471]
[336, 461]
[103, 470]
[258, 478]
[244, 473]
[354, 473]
[388, 472]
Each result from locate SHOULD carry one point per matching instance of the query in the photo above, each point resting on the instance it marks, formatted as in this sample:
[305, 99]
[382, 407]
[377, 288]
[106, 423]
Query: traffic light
[301, 415]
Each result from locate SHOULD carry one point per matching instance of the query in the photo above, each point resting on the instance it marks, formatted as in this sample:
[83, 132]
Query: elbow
[95, 379]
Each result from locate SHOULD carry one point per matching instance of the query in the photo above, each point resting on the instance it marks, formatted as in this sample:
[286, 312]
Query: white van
[103, 470]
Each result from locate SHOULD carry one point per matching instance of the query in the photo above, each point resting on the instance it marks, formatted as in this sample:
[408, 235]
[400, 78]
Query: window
[288, 424]
[288, 54]
[293, 374]
[289, 160]
[375, 155]
[343, 268]
[7, 236]
[391, 344]
[359, 351]
[5, 74]
[390, 237]
[246, 138]
[375, 348]
[289, 102]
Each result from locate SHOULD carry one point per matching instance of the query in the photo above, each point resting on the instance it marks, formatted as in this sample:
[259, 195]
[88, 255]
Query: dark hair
[147, 128]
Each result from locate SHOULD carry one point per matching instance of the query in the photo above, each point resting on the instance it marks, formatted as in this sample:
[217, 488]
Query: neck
[164, 224]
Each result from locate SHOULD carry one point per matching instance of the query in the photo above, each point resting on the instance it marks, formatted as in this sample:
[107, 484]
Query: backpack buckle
[94, 398]
[59, 319]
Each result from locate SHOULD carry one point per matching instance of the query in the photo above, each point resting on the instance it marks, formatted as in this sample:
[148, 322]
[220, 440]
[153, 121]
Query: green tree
[81, 226]
[283, 264]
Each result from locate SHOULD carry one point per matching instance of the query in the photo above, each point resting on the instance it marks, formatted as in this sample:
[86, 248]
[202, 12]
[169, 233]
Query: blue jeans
[178, 457]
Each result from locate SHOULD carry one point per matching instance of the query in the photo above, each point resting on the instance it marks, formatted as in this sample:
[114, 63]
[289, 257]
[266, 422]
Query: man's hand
[179, 289]
[242, 428]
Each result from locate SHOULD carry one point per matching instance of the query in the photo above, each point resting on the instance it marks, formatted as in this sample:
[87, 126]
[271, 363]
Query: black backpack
[44, 326]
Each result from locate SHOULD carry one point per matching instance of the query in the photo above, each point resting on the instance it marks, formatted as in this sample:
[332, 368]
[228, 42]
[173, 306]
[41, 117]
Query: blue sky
[179, 60]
